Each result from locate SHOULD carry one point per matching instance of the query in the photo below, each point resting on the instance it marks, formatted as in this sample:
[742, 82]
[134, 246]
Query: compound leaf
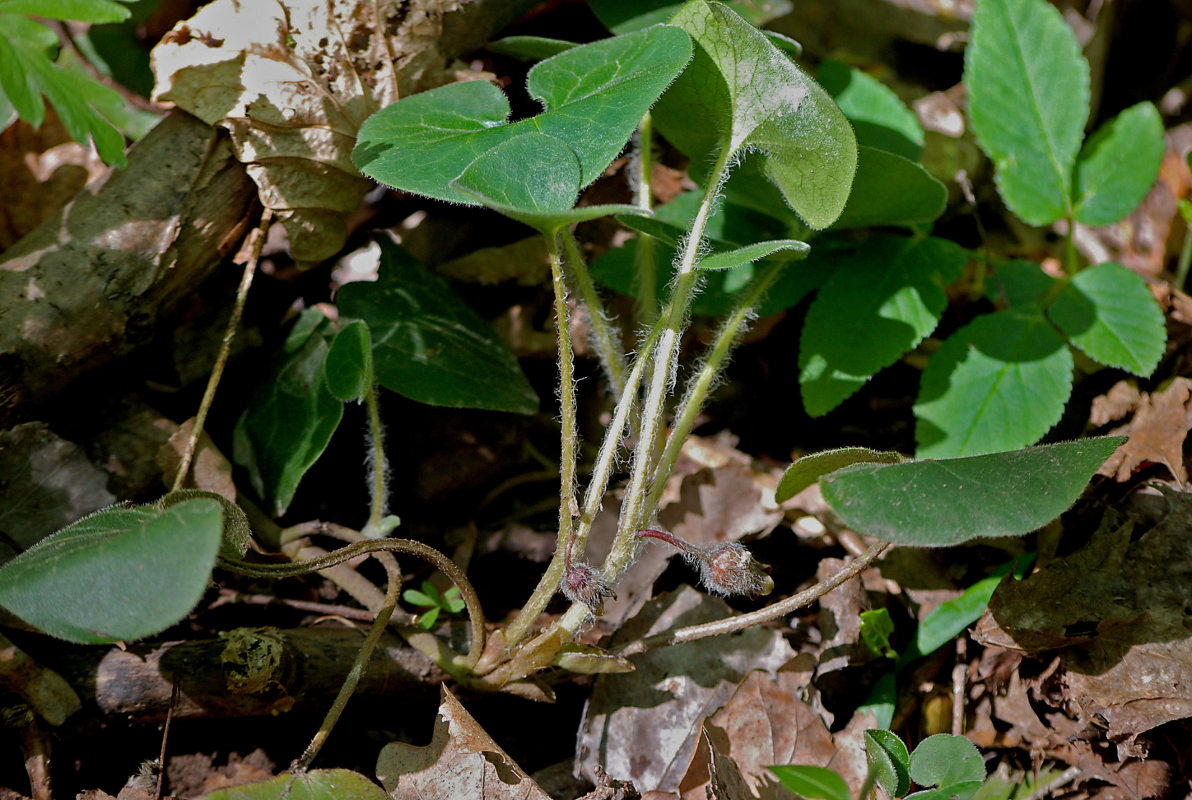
[998, 383]
[938, 503]
[1028, 101]
[1108, 312]
[428, 345]
[877, 306]
[117, 575]
[1117, 165]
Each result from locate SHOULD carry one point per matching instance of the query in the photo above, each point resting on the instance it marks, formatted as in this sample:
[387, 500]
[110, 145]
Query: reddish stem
[674, 541]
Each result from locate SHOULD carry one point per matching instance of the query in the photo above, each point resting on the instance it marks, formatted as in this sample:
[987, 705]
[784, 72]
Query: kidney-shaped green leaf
[742, 92]
[117, 575]
[594, 96]
[936, 503]
[318, 784]
[429, 345]
[1109, 313]
[945, 760]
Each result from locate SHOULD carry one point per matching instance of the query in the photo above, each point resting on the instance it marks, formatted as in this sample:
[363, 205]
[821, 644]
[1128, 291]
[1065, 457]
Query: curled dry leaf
[1157, 433]
[292, 81]
[460, 761]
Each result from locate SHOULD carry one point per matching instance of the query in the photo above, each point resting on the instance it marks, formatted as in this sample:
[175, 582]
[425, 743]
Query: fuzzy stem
[549, 582]
[380, 477]
[604, 333]
[665, 354]
[225, 348]
[709, 369]
[644, 269]
[348, 688]
[771, 612]
[408, 546]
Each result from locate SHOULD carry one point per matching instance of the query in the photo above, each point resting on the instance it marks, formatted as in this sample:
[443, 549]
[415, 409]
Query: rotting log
[244, 672]
[88, 286]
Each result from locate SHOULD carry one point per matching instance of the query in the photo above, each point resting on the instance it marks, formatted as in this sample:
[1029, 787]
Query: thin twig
[959, 674]
[175, 691]
[225, 348]
[380, 624]
[774, 611]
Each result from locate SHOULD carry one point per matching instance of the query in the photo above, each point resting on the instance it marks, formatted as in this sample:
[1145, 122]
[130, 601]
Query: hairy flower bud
[729, 569]
[583, 584]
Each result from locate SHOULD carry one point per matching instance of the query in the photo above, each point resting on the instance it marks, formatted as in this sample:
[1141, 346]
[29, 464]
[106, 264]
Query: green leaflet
[1028, 99]
[939, 503]
[1108, 312]
[428, 345]
[741, 92]
[1117, 165]
[291, 416]
[879, 305]
[998, 383]
[117, 575]
[594, 97]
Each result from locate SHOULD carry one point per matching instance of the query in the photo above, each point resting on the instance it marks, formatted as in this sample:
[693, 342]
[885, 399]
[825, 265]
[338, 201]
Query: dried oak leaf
[460, 761]
[291, 82]
[1157, 434]
[1117, 610]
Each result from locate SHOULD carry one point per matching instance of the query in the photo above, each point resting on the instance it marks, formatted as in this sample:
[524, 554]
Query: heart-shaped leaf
[945, 761]
[429, 345]
[117, 575]
[937, 503]
[1109, 313]
[742, 92]
[593, 96]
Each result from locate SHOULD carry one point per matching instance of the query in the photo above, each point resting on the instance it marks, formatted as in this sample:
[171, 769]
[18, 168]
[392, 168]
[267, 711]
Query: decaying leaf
[643, 726]
[460, 761]
[292, 81]
[1116, 609]
[1157, 433]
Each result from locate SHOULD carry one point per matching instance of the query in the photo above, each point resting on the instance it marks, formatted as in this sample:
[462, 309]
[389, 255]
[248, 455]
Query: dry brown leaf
[460, 761]
[292, 81]
[210, 469]
[1156, 434]
[643, 726]
[1118, 609]
[1122, 398]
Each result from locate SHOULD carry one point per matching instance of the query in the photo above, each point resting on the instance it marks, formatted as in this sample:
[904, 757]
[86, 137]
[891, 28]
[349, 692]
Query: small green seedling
[435, 602]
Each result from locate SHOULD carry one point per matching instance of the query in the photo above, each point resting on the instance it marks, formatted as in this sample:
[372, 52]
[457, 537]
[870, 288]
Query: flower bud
[583, 584]
[729, 568]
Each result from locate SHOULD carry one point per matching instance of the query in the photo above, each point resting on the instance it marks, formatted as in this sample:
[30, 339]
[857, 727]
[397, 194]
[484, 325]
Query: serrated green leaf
[891, 190]
[1018, 283]
[317, 784]
[1028, 99]
[529, 48]
[880, 119]
[428, 345]
[945, 761]
[117, 575]
[1117, 166]
[94, 11]
[811, 467]
[623, 16]
[997, 384]
[740, 92]
[951, 617]
[938, 503]
[812, 782]
[1108, 312]
[889, 762]
[594, 97]
[291, 416]
[874, 308]
[727, 259]
[349, 368]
